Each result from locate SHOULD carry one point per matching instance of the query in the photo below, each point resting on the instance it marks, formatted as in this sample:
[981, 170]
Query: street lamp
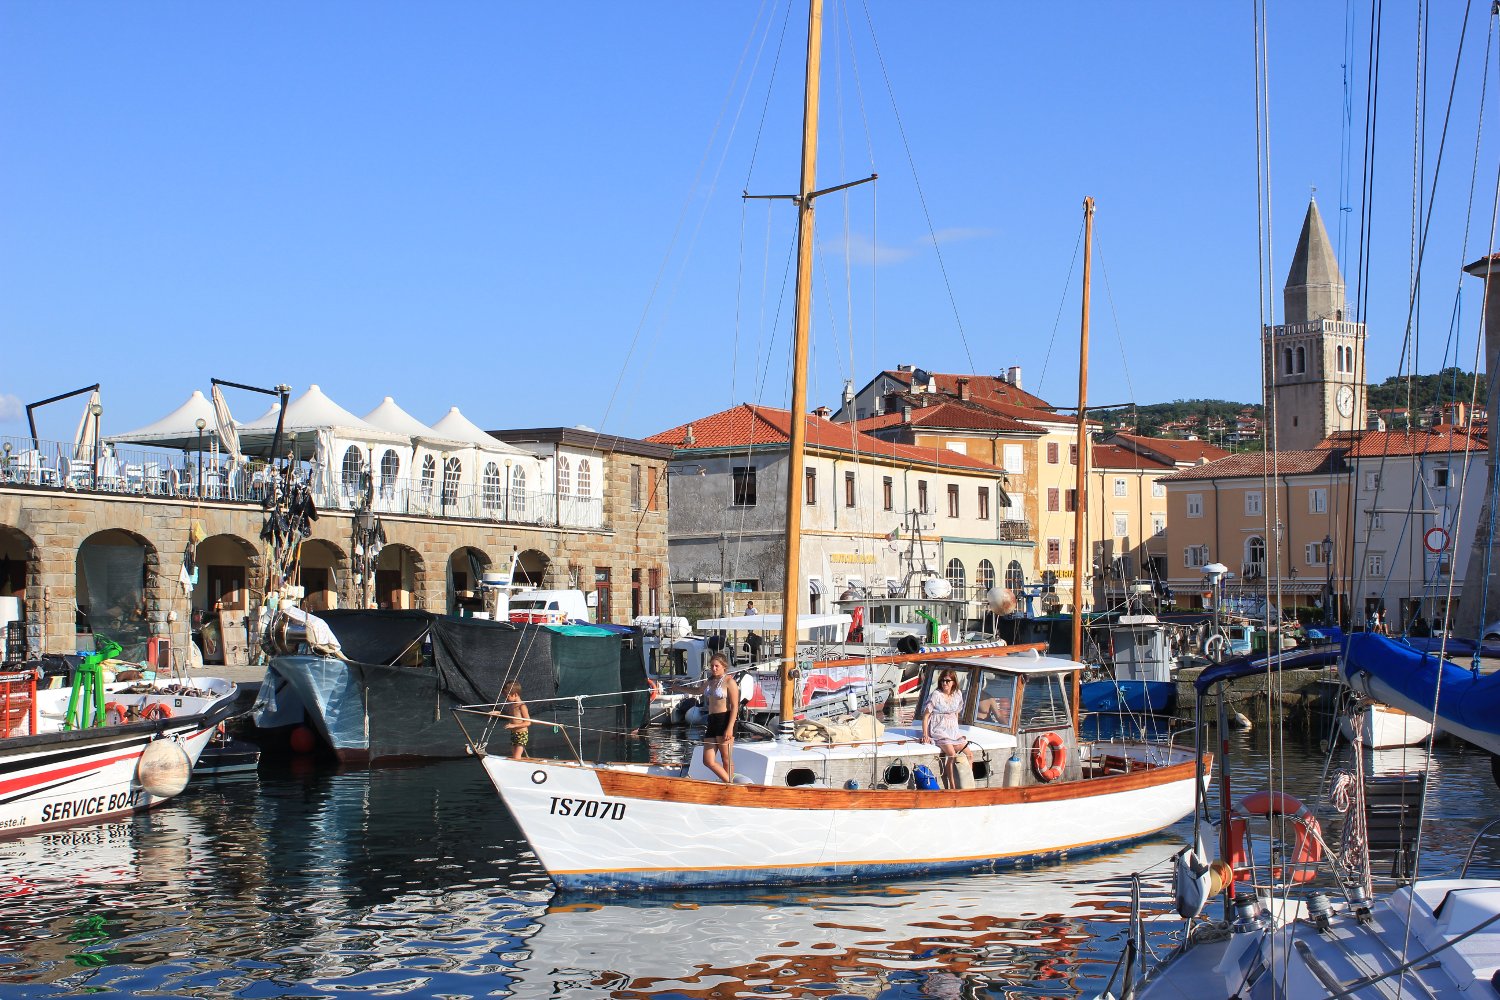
[507, 489]
[1214, 574]
[200, 423]
[1328, 614]
[96, 409]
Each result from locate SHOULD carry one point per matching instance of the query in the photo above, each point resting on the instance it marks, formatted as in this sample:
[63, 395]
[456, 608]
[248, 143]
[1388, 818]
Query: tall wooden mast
[1080, 489]
[797, 422]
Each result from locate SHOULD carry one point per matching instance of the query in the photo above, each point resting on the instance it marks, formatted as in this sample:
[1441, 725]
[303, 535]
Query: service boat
[855, 808]
[92, 751]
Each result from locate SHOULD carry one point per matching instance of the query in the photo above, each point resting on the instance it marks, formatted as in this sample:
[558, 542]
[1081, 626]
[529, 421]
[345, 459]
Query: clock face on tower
[1344, 400]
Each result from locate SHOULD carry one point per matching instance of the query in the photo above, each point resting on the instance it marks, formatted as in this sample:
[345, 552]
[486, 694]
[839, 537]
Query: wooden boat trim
[635, 785]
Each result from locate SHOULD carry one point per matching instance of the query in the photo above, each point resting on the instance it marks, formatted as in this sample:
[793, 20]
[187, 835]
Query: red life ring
[117, 710]
[653, 687]
[156, 710]
[1049, 756]
[1309, 850]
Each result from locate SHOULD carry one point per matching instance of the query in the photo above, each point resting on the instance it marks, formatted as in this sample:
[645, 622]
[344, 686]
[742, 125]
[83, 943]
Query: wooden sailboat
[865, 805]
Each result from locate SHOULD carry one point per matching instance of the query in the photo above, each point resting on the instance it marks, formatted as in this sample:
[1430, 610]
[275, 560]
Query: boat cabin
[1010, 703]
[883, 621]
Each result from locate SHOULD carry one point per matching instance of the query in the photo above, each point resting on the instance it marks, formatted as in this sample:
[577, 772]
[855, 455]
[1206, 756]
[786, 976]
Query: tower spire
[1314, 287]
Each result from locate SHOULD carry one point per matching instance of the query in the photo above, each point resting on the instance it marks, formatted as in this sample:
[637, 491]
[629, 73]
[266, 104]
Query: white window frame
[1254, 503]
[1317, 500]
[1194, 504]
[1314, 553]
[1372, 480]
[1195, 556]
[1375, 564]
[1158, 490]
[1158, 524]
[1439, 476]
[1122, 488]
[1122, 525]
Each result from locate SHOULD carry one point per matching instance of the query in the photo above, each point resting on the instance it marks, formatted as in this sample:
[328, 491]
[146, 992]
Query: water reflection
[313, 883]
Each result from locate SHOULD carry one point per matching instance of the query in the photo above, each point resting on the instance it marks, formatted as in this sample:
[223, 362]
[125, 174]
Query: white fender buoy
[1192, 882]
[164, 768]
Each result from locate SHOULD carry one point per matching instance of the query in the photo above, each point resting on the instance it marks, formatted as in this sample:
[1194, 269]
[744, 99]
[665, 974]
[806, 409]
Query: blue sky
[533, 211]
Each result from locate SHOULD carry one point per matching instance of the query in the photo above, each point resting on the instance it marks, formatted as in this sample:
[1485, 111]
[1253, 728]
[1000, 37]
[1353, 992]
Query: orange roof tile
[1437, 440]
[749, 424]
[959, 416]
[1178, 450]
[987, 386]
[1256, 463]
[1112, 456]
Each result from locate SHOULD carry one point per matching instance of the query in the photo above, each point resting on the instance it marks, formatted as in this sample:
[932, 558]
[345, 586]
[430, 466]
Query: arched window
[429, 477]
[490, 497]
[585, 478]
[1288, 359]
[453, 470]
[1015, 576]
[390, 471]
[1301, 360]
[354, 464]
[564, 477]
[1338, 358]
[1255, 557]
[985, 579]
[517, 492]
[956, 577]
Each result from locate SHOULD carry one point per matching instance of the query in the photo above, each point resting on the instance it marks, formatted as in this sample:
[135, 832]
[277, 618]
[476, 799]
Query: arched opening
[517, 509]
[531, 568]
[490, 497]
[956, 577]
[1015, 576]
[585, 478]
[984, 578]
[1255, 557]
[1287, 356]
[398, 577]
[349, 476]
[17, 565]
[390, 474]
[1301, 360]
[116, 573]
[429, 479]
[465, 568]
[321, 573]
[564, 477]
[227, 570]
[453, 471]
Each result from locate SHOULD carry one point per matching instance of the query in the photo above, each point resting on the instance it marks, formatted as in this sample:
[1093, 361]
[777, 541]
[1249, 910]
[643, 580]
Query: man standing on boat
[722, 697]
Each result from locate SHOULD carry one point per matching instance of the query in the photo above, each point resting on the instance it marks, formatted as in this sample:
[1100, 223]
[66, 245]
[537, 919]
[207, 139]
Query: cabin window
[1044, 703]
[934, 681]
[995, 708]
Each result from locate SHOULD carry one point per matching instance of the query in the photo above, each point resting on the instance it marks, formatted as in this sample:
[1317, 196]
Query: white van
[549, 607]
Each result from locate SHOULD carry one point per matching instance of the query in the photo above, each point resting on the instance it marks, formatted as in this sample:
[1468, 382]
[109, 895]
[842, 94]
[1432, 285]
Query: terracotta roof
[986, 386]
[748, 424]
[1437, 440]
[1177, 450]
[1111, 456]
[960, 416]
[1256, 463]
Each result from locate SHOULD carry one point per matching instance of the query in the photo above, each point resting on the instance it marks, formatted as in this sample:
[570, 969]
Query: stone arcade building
[51, 537]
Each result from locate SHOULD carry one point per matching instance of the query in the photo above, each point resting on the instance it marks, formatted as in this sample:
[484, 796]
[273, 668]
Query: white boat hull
[1387, 728]
[620, 826]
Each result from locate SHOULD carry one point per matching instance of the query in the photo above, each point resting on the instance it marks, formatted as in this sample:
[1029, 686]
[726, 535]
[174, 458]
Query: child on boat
[517, 719]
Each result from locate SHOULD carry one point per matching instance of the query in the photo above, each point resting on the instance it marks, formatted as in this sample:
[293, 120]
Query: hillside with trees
[1428, 392]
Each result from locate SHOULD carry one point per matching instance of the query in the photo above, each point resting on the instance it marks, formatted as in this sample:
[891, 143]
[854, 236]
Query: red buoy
[303, 740]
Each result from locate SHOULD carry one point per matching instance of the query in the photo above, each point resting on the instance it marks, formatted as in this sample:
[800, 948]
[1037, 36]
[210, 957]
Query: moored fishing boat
[90, 752]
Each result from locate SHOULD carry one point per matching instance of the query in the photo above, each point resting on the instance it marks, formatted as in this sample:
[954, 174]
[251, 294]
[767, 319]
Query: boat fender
[963, 772]
[1049, 756]
[924, 778]
[163, 769]
[1192, 880]
[1309, 848]
[156, 710]
[114, 708]
[1015, 772]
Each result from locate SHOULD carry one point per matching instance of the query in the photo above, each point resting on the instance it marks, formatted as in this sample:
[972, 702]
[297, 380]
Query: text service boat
[127, 747]
[811, 812]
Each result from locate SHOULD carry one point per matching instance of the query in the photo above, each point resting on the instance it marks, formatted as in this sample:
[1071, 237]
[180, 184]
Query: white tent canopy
[390, 417]
[457, 426]
[178, 429]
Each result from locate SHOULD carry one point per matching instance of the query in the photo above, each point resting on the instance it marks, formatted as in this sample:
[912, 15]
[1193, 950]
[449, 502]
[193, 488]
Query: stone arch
[118, 590]
[322, 570]
[20, 579]
[229, 573]
[466, 564]
[400, 577]
[532, 567]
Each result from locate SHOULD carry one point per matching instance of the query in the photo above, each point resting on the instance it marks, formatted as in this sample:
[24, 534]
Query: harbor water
[310, 881]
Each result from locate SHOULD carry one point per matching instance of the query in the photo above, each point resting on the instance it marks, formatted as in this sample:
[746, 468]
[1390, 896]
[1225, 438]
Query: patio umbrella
[224, 424]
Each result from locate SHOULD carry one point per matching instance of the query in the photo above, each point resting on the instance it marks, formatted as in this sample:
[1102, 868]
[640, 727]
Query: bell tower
[1315, 359]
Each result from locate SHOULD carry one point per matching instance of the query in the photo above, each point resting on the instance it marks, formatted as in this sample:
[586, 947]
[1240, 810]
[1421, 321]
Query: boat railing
[1463, 872]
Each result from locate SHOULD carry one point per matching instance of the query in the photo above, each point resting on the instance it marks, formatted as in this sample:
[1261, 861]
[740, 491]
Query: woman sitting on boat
[940, 724]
